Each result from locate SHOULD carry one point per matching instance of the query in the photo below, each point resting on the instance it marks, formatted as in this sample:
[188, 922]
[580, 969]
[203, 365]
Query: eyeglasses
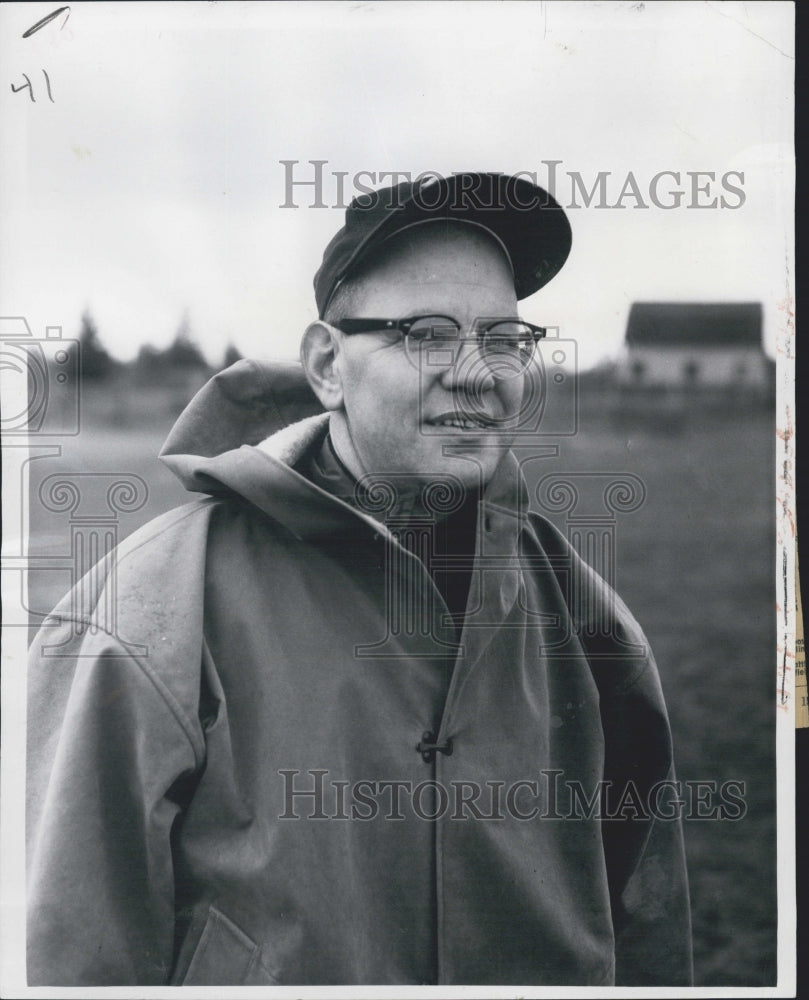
[506, 343]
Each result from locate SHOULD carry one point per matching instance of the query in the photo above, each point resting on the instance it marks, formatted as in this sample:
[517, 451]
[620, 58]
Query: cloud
[153, 183]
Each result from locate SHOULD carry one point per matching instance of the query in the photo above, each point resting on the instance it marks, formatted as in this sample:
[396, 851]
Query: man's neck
[451, 535]
[385, 500]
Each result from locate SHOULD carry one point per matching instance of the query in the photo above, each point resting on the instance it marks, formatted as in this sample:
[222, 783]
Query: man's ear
[320, 348]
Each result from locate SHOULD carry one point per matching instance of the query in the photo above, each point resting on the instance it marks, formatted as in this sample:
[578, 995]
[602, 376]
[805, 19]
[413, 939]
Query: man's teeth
[457, 422]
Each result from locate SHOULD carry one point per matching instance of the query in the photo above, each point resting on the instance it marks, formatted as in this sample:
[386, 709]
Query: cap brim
[525, 218]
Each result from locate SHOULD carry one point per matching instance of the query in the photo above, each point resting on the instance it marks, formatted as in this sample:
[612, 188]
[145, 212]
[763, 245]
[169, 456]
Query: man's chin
[472, 468]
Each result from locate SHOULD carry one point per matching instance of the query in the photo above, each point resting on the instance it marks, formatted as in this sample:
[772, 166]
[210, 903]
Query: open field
[696, 565]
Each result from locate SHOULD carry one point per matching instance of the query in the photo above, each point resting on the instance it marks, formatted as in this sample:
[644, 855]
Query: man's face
[398, 410]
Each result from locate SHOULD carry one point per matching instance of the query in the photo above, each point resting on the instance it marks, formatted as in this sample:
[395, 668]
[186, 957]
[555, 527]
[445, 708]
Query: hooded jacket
[258, 753]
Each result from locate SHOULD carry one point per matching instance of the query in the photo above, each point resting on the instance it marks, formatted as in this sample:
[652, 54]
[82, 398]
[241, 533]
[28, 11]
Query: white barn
[693, 345]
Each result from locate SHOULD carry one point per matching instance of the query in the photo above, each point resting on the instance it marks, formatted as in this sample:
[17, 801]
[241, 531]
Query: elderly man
[352, 724]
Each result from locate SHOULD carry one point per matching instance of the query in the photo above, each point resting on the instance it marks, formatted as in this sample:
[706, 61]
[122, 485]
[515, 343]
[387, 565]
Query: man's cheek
[515, 396]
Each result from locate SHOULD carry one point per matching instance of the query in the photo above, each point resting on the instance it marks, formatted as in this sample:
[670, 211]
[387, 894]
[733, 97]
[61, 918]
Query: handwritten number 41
[34, 28]
[27, 86]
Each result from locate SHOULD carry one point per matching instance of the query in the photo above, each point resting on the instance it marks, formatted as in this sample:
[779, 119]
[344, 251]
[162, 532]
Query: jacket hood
[242, 405]
[245, 429]
[213, 447]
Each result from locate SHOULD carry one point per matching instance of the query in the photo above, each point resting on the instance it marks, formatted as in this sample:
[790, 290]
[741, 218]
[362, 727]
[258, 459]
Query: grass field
[696, 565]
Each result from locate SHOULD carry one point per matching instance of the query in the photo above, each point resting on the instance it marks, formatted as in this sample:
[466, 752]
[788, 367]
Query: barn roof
[709, 324]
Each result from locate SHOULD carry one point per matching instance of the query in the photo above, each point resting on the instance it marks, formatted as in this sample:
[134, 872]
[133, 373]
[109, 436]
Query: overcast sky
[151, 184]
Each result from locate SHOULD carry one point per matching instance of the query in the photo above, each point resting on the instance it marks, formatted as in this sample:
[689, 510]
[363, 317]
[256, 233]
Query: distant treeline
[153, 365]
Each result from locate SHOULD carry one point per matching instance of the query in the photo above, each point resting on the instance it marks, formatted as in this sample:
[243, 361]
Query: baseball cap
[525, 219]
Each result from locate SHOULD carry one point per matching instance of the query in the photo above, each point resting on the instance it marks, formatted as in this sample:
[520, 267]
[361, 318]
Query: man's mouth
[464, 423]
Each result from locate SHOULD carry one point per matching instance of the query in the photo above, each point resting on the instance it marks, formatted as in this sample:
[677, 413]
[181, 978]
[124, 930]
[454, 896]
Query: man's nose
[466, 368]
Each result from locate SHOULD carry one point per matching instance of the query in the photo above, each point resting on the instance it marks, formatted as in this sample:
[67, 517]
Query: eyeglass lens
[509, 339]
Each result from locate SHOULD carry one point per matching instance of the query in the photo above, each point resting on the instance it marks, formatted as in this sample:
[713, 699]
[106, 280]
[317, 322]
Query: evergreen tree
[149, 360]
[183, 352]
[96, 363]
[231, 356]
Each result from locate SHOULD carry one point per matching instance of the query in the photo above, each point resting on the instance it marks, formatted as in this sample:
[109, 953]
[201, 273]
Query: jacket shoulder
[143, 603]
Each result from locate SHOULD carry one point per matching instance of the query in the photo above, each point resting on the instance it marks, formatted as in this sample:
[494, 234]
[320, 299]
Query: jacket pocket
[225, 956]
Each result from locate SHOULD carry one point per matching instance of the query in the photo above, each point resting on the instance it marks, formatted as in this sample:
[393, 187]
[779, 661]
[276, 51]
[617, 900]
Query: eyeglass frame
[480, 327]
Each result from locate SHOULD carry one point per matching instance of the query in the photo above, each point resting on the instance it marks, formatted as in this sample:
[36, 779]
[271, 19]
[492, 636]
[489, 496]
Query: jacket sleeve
[107, 748]
[643, 841]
